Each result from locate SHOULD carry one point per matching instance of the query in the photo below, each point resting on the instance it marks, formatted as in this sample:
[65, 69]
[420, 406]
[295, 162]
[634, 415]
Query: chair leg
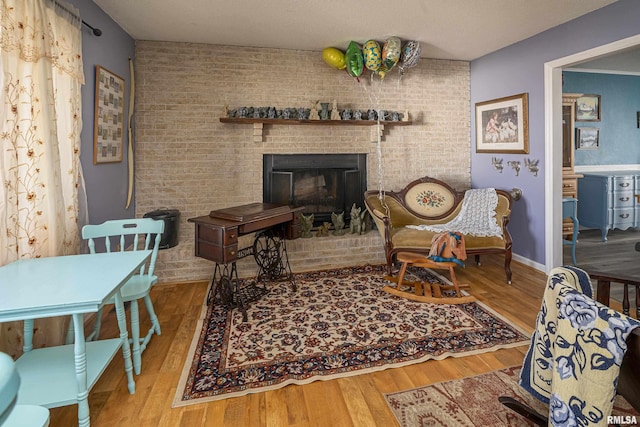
[152, 314]
[71, 333]
[93, 336]
[155, 324]
[96, 326]
[135, 337]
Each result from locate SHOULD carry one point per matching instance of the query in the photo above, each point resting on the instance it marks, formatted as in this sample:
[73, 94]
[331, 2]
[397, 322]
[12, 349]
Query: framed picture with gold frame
[588, 108]
[108, 132]
[502, 125]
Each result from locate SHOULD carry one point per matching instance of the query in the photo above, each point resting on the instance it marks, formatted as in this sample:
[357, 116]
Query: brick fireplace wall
[187, 159]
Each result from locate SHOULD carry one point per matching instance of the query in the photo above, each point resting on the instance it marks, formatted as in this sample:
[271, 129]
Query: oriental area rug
[473, 402]
[337, 323]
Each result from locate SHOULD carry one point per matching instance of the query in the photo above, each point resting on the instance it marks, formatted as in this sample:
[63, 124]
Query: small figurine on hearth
[338, 223]
[323, 230]
[357, 224]
[307, 225]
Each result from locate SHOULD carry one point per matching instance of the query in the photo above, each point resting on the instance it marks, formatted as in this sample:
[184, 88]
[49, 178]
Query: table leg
[287, 266]
[124, 336]
[214, 287]
[79, 349]
[28, 335]
[270, 253]
[234, 283]
[222, 285]
[226, 284]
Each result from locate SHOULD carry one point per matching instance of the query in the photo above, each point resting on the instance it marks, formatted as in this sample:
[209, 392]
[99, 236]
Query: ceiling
[446, 29]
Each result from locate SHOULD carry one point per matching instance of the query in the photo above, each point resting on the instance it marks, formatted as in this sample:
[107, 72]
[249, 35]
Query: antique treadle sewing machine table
[216, 239]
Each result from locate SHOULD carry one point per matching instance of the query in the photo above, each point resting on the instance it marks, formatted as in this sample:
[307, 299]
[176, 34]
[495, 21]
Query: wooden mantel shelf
[259, 123]
[312, 122]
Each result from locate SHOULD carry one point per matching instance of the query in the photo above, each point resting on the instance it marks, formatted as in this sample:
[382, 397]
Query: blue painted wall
[106, 183]
[619, 103]
[520, 68]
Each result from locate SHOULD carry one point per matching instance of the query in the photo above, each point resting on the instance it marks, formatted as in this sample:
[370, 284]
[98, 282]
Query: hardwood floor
[616, 255]
[352, 401]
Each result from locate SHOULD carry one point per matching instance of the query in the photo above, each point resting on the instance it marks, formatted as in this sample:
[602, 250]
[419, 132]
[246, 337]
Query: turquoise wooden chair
[569, 210]
[124, 235]
[11, 413]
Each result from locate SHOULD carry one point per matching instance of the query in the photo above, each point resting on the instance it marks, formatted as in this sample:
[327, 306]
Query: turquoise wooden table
[59, 286]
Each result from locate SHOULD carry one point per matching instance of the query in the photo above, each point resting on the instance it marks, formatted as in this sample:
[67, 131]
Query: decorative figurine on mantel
[335, 114]
[313, 114]
[357, 220]
[307, 224]
[405, 116]
[338, 223]
[324, 111]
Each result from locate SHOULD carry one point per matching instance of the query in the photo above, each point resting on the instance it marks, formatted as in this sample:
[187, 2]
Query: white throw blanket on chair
[476, 217]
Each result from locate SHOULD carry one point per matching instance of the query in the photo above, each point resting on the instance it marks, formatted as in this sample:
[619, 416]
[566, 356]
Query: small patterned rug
[473, 401]
[338, 323]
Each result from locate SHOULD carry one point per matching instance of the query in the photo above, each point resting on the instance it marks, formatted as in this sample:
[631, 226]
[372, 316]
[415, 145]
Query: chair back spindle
[115, 235]
[604, 281]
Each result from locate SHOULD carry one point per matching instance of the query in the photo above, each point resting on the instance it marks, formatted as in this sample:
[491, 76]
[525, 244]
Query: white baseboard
[530, 263]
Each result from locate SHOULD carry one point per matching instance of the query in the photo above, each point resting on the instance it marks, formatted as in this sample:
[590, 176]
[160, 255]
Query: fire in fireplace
[322, 183]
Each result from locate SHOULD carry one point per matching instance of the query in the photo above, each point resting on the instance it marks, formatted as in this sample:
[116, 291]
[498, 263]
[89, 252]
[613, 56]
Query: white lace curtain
[40, 122]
